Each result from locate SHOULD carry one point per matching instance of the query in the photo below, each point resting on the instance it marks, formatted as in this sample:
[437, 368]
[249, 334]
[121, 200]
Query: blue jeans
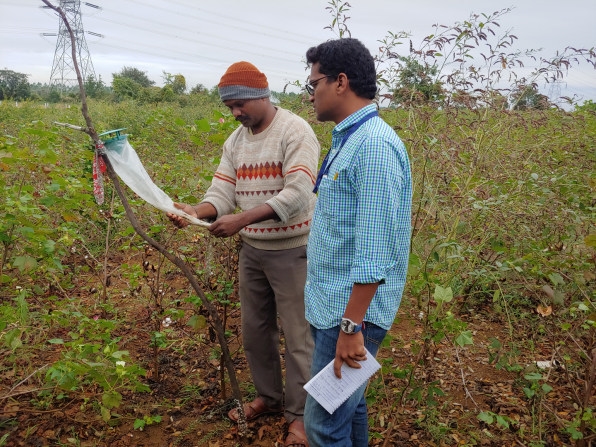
[348, 425]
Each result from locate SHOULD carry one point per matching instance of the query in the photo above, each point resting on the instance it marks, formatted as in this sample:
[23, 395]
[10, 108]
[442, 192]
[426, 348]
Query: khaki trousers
[271, 284]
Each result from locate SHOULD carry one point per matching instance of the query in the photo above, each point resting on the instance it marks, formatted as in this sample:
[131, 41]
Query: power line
[164, 29]
[171, 48]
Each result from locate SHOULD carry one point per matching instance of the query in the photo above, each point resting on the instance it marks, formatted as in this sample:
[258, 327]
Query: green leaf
[139, 424]
[203, 125]
[48, 201]
[105, 414]
[486, 417]
[120, 354]
[556, 279]
[413, 265]
[529, 393]
[559, 298]
[25, 263]
[49, 246]
[197, 140]
[502, 421]
[194, 299]
[465, 338]
[575, 434]
[111, 399]
[13, 339]
[197, 322]
[533, 377]
[56, 341]
[495, 343]
[442, 295]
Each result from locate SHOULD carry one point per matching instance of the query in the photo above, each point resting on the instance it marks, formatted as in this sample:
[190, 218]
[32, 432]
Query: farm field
[103, 342]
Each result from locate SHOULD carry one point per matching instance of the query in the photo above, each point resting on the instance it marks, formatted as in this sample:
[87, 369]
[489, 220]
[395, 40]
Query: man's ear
[343, 83]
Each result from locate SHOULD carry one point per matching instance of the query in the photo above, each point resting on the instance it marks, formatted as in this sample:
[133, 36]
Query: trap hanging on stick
[128, 166]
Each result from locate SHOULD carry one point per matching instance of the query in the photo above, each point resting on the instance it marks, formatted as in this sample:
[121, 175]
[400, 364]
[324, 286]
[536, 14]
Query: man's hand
[227, 225]
[179, 221]
[349, 349]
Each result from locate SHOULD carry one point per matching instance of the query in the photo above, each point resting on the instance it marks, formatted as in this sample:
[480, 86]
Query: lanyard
[326, 163]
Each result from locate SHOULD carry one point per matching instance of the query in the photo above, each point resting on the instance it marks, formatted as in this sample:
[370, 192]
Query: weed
[140, 424]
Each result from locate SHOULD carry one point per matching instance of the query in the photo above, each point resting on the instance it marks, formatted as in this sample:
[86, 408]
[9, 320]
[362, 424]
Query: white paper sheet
[331, 392]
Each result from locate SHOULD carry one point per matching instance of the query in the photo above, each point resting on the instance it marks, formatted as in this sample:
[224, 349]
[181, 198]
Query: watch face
[346, 326]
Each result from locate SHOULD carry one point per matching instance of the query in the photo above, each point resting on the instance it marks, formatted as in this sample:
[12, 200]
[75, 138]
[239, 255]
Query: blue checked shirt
[362, 223]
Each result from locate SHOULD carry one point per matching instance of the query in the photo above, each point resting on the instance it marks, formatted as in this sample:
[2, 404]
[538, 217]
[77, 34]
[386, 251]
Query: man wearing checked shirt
[360, 236]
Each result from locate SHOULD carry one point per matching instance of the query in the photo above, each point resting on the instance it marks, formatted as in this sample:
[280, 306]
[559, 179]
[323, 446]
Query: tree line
[128, 83]
[469, 64]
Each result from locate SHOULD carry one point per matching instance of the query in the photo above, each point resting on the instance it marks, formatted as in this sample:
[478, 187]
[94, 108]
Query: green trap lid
[112, 135]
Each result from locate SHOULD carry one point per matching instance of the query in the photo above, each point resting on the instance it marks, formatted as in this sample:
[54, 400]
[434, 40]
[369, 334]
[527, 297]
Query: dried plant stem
[214, 315]
[463, 378]
[9, 394]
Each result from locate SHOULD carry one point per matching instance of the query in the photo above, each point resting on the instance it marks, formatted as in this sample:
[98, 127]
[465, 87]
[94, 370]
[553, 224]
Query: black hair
[347, 56]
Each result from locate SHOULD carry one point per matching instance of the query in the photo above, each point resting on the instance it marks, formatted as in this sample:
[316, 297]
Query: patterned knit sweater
[277, 166]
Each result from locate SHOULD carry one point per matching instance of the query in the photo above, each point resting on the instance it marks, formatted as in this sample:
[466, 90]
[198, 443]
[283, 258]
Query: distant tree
[14, 85]
[527, 97]
[199, 89]
[149, 95]
[134, 74]
[95, 88]
[126, 88]
[54, 96]
[167, 93]
[40, 90]
[176, 82]
[214, 93]
[179, 84]
[416, 83]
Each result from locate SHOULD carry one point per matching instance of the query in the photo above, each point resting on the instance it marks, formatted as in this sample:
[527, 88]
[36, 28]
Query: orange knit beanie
[243, 80]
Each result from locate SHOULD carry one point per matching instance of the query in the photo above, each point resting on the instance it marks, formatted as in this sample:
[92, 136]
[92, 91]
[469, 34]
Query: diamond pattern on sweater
[262, 170]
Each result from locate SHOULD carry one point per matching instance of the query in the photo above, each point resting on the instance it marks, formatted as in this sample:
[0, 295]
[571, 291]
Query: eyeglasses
[310, 85]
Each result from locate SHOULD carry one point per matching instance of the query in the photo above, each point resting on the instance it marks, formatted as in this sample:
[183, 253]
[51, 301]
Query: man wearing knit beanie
[267, 171]
[243, 80]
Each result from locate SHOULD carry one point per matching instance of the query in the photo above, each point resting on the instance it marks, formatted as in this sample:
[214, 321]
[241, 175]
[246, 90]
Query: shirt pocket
[336, 196]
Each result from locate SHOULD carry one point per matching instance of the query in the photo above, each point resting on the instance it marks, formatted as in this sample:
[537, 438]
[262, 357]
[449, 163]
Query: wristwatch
[349, 327]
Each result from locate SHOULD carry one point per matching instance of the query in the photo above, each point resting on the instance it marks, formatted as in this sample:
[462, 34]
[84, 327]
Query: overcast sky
[200, 39]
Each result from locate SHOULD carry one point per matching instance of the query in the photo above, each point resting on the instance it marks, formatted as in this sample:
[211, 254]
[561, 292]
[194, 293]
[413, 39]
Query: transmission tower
[63, 69]
[554, 91]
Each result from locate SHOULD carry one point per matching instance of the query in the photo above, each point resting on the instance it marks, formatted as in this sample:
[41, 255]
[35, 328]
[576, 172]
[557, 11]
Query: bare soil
[185, 381]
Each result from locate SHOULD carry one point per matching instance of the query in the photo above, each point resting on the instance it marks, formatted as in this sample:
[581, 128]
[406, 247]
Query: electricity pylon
[63, 69]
